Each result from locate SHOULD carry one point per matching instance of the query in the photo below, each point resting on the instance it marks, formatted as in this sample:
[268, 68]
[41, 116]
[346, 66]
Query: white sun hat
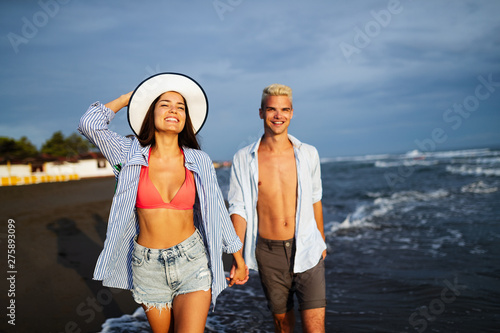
[148, 90]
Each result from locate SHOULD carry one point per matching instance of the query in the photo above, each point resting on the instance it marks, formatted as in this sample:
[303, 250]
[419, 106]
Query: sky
[368, 77]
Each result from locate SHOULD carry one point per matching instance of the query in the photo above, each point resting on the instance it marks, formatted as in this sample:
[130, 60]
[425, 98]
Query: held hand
[238, 275]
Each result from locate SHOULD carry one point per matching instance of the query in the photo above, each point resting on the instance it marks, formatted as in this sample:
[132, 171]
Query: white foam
[362, 158]
[406, 163]
[478, 250]
[488, 160]
[350, 223]
[374, 194]
[411, 196]
[478, 187]
[414, 154]
[417, 155]
[467, 170]
[364, 215]
[462, 153]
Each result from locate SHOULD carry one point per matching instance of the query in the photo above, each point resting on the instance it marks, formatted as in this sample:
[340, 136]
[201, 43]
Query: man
[275, 206]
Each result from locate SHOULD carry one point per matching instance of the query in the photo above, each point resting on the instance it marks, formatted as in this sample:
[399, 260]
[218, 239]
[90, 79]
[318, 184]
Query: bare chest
[277, 174]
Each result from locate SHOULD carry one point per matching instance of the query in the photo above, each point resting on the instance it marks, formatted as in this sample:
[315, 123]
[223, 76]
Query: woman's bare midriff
[161, 228]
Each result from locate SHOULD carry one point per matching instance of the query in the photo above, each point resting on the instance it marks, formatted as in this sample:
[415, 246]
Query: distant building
[46, 170]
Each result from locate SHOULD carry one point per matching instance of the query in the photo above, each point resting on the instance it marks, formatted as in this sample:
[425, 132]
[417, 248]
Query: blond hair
[276, 89]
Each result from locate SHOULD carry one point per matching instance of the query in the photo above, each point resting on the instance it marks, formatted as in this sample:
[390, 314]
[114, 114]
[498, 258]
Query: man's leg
[310, 288]
[284, 322]
[313, 320]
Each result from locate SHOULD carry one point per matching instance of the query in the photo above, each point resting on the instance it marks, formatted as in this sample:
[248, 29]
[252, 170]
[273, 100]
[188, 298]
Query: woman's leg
[190, 311]
[160, 321]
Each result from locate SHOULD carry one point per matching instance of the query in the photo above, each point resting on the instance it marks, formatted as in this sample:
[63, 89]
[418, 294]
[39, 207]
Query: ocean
[413, 246]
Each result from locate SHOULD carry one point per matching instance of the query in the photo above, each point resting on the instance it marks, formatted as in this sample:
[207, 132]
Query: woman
[168, 224]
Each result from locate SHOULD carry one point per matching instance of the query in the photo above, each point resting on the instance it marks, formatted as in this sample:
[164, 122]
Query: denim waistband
[174, 251]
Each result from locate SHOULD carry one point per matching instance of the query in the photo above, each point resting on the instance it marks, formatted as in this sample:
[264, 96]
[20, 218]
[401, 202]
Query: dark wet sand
[60, 229]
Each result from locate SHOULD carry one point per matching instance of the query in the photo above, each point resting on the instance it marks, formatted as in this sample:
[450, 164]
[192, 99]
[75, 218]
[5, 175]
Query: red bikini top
[149, 197]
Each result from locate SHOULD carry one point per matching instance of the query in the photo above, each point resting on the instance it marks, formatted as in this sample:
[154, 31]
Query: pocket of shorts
[260, 252]
[137, 260]
[195, 253]
[257, 253]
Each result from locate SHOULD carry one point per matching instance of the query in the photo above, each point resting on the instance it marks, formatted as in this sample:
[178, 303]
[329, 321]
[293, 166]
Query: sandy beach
[59, 233]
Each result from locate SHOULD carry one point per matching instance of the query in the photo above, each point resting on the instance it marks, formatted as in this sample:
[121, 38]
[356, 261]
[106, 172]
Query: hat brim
[149, 89]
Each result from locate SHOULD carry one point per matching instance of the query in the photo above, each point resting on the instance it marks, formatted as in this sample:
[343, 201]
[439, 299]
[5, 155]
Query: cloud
[395, 89]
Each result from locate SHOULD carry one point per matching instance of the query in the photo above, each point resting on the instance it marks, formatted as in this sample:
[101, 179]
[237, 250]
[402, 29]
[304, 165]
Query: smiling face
[170, 113]
[276, 111]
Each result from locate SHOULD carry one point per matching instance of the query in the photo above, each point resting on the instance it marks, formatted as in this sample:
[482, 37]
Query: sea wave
[483, 155]
[365, 215]
[467, 170]
[462, 153]
[479, 188]
[451, 236]
[361, 158]
[349, 224]
[406, 163]
[488, 160]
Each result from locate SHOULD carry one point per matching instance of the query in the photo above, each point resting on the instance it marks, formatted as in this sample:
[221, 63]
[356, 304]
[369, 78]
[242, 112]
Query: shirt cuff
[235, 246]
[105, 110]
[238, 211]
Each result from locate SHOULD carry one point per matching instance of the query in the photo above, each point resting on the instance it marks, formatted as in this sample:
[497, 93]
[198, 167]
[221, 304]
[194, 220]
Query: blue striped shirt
[127, 156]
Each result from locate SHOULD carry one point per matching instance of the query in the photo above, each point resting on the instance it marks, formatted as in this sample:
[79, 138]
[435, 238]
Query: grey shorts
[275, 260]
[159, 275]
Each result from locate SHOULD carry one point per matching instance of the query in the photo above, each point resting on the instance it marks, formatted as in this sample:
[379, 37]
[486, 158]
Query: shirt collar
[138, 159]
[255, 147]
[145, 152]
[295, 142]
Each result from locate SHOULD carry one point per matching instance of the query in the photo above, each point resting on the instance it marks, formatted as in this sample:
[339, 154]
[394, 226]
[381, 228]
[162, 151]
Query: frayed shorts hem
[158, 306]
[162, 305]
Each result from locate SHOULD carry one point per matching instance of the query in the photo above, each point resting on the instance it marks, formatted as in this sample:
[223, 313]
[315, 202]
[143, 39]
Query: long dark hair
[186, 138]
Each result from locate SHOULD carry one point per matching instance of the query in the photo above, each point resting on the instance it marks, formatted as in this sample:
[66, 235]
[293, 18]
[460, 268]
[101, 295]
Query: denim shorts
[159, 275]
[276, 260]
